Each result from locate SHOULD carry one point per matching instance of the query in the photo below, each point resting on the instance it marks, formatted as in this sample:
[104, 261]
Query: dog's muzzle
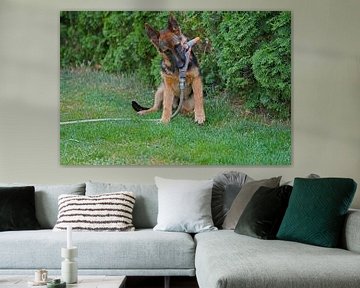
[180, 56]
[182, 50]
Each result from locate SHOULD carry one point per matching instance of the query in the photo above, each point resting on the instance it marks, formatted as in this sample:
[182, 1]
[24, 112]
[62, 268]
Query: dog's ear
[152, 34]
[173, 26]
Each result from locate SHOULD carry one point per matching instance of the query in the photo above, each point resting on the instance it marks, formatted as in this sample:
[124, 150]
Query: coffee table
[84, 281]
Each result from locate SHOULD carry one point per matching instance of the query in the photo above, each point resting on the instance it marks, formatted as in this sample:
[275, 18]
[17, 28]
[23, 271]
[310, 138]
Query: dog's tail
[137, 107]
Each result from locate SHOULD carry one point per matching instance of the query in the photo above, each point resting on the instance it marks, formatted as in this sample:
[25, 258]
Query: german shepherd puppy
[171, 44]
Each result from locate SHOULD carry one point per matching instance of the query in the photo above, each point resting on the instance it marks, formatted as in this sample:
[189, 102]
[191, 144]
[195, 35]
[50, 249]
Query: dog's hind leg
[158, 100]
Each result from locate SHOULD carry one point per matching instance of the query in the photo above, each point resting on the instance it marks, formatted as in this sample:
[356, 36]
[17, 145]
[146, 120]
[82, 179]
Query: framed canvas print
[175, 88]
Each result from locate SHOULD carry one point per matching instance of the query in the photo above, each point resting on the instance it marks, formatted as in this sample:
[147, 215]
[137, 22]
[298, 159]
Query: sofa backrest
[146, 203]
[46, 200]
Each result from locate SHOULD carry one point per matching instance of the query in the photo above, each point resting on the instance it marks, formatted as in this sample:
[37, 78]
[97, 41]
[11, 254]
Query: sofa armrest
[351, 234]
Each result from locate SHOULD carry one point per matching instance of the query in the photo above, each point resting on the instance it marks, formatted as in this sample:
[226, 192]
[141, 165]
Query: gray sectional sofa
[219, 259]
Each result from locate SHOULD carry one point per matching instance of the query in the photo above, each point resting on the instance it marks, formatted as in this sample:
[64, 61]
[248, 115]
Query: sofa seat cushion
[226, 259]
[142, 249]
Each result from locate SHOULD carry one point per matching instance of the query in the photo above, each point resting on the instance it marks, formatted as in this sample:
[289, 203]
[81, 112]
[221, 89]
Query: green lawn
[227, 138]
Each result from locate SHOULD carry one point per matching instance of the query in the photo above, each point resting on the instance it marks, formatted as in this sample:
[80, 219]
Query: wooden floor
[158, 282]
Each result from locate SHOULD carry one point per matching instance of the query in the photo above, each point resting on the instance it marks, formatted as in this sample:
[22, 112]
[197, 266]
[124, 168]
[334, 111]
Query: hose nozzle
[191, 42]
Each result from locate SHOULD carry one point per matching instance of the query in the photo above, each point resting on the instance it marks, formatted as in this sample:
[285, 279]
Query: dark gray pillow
[263, 214]
[243, 198]
[225, 189]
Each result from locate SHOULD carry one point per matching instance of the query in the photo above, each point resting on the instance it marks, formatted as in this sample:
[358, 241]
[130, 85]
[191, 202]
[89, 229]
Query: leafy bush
[246, 55]
[271, 67]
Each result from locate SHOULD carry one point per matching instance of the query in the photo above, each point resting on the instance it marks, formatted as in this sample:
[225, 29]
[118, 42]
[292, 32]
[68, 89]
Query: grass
[227, 138]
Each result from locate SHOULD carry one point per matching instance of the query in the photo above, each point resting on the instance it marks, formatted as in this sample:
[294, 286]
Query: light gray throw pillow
[243, 198]
[184, 205]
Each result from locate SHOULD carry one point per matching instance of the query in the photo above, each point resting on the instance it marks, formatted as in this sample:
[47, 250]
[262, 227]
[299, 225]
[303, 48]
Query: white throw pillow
[184, 205]
[105, 212]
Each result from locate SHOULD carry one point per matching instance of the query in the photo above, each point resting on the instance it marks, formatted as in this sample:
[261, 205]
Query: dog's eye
[163, 46]
[168, 52]
[164, 49]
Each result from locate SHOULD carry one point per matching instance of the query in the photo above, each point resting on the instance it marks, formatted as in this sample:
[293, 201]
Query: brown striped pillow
[105, 212]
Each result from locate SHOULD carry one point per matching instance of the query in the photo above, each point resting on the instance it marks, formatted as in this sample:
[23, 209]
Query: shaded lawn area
[227, 138]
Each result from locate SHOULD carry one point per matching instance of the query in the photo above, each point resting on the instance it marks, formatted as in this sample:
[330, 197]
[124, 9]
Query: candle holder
[69, 271]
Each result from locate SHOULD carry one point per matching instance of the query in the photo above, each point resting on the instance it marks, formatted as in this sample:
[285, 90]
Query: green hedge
[246, 55]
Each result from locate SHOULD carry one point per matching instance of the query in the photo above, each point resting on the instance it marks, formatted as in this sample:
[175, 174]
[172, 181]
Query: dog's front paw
[165, 120]
[142, 112]
[200, 119]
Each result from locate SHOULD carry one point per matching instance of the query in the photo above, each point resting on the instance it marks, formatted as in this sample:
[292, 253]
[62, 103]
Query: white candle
[69, 237]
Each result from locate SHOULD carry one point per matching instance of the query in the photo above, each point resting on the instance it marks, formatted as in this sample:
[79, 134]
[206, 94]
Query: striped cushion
[105, 212]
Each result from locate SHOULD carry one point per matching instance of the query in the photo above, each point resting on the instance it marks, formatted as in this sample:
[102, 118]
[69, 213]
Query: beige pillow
[243, 198]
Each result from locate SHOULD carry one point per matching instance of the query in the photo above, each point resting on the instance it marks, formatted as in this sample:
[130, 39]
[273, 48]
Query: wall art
[173, 88]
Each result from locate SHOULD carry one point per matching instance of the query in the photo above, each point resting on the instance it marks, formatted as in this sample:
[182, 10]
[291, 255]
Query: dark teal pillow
[17, 208]
[316, 211]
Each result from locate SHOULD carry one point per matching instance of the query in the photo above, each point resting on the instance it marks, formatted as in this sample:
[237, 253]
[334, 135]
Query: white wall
[326, 91]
